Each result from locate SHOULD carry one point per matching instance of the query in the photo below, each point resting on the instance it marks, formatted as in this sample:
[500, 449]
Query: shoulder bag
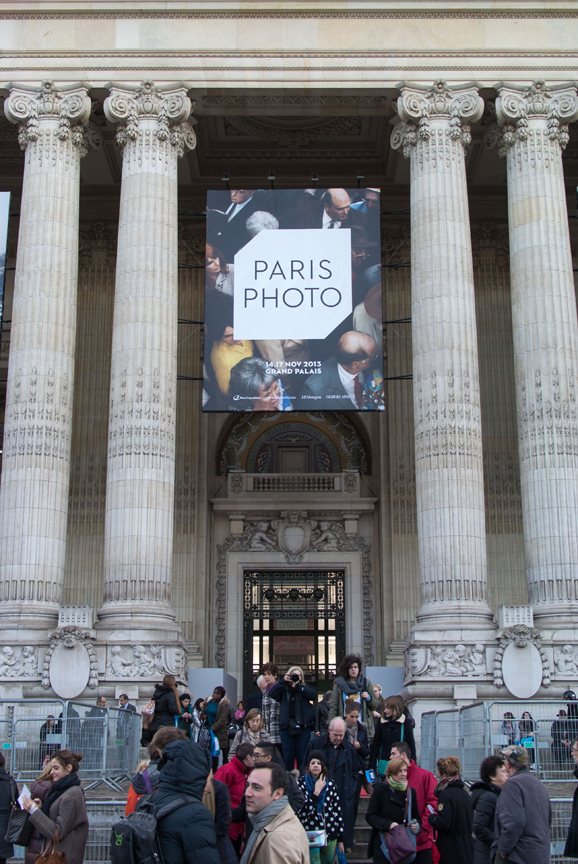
[51, 855]
[399, 843]
[19, 828]
[317, 838]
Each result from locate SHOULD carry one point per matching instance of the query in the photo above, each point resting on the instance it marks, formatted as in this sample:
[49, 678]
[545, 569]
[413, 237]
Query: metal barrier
[101, 815]
[561, 815]
[108, 738]
[488, 727]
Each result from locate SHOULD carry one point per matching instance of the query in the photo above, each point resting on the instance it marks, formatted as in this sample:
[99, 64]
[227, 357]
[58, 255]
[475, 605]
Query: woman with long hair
[63, 809]
[454, 819]
[185, 720]
[197, 722]
[167, 707]
[387, 808]
[253, 731]
[351, 684]
[321, 808]
[393, 726]
[38, 790]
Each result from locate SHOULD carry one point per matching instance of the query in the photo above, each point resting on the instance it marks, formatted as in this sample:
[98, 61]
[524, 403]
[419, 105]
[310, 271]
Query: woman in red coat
[234, 774]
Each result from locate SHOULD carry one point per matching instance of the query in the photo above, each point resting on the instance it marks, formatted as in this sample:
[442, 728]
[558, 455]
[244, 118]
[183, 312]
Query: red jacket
[424, 784]
[234, 774]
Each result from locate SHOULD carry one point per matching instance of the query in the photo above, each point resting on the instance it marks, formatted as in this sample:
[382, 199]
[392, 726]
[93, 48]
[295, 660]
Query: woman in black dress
[454, 819]
[387, 808]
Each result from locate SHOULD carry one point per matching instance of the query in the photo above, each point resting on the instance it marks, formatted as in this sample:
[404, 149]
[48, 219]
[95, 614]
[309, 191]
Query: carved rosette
[536, 114]
[439, 116]
[151, 118]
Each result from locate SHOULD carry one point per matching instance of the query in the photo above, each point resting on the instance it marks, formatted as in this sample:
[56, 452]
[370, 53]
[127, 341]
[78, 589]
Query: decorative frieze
[126, 662]
[446, 661]
[18, 662]
[566, 662]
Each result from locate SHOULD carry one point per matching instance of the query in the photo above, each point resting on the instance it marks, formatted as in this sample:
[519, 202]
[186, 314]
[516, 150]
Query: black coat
[303, 695]
[387, 805]
[388, 733]
[484, 797]
[165, 708]
[454, 822]
[571, 849]
[6, 785]
[322, 716]
[231, 236]
[343, 767]
[255, 700]
[187, 836]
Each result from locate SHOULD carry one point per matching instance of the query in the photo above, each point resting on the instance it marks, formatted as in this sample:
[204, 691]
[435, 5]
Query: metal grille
[315, 596]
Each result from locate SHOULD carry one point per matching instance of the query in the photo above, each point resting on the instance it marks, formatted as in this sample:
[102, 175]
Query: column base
[461, 615]
[28, 616]
[142, 615]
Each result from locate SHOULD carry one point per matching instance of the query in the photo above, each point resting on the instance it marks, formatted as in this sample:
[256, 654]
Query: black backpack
[134, 839]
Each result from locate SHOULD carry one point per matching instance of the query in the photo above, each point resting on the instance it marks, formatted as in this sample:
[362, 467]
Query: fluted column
[434, 130]
[141, 437]
[534, 131]
[37, 430]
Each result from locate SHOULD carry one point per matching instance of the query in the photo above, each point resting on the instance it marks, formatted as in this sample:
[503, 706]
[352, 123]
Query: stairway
[361, 835]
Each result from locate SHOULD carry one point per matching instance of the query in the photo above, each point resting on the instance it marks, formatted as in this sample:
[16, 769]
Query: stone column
[36, 457]
[141, 435]
[533, 125]
[434, 131]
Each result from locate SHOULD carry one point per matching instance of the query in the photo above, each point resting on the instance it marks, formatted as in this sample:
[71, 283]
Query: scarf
[443, 784]
[397, 785]
[310, 785]
[260, 821]
[352, 732]
[348, 688]
[59, 788]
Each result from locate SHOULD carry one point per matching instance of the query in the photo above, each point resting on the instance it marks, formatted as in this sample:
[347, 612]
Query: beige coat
[68, 814]
[282, 841]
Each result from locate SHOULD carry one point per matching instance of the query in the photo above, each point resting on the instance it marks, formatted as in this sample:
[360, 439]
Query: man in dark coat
[343, 766]
[187, 835]
[340, 382]
[228, 231]
[571, 849]
[484, 797]
[8, 792]
[332, 211]
[94, 732]
[523, 814]
[322, 713]
[255, 700]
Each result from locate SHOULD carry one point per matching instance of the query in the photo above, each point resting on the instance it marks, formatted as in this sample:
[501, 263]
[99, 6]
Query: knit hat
[185, 696]
[316, 754]
[516, 755]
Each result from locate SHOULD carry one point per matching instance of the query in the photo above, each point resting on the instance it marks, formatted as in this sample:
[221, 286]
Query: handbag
[19, 829]
[317, 839]
[399, 843]
[232, 730]
[51, 855]
[147, 714]
[204, 737]
[215, 746]
[341, 859]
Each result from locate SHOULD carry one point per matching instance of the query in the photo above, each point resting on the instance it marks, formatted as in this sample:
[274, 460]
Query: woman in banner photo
[218, 274]
[252, 383]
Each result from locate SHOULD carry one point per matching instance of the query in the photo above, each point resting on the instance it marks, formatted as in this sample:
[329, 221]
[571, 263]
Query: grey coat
[523, 819]
[68, 814]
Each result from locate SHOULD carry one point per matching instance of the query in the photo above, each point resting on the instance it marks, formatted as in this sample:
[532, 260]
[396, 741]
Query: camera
[295, 676]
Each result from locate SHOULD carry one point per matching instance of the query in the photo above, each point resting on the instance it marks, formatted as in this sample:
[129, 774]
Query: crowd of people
[343, 371]
[278, 780]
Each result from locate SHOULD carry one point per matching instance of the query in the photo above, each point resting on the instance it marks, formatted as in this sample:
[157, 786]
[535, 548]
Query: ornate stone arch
[343, 438]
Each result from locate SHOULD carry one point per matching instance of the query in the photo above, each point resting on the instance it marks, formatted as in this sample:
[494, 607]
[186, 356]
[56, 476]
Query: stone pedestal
[36, 458]
[454, 621]
[533, 130]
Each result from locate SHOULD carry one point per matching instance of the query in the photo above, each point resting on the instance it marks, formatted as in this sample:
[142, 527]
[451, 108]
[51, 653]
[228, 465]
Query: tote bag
[399, 843]
[383, 763]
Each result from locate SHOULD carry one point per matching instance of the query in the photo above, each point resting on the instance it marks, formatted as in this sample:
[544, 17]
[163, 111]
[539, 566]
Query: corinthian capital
[554, 107]
[29, 106]
[420, 106]
[168, 107]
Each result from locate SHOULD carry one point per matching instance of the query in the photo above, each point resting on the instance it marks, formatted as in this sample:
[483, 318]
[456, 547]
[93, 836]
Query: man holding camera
[296, 715]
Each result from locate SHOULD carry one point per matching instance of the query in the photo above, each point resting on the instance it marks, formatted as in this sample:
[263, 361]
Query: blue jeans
[294, 748]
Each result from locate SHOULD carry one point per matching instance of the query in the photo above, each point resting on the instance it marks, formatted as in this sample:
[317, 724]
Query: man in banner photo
[293, 301]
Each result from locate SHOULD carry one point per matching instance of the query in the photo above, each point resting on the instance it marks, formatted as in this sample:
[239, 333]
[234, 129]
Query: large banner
[293, 312]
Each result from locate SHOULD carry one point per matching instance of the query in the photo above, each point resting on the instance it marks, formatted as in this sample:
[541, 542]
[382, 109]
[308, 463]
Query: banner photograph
[293, 311]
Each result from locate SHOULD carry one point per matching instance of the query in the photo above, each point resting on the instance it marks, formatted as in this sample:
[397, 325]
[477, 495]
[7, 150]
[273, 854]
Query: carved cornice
[517, 106]
[419, 107]
[167, 107]
[70, 105]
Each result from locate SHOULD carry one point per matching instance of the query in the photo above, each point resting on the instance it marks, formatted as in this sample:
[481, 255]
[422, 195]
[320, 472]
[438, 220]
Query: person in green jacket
[351, 684]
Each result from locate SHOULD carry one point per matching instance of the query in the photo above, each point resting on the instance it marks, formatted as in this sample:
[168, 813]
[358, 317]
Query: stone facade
[454, 516]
